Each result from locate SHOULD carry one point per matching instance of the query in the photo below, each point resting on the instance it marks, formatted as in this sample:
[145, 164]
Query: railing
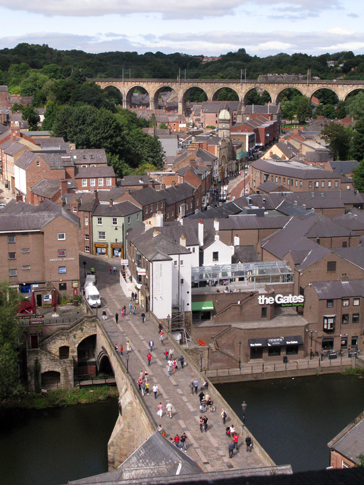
[296, 365]
[94, 381]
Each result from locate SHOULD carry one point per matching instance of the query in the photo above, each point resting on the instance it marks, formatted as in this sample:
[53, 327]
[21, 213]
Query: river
[294, 419]
[52, 446]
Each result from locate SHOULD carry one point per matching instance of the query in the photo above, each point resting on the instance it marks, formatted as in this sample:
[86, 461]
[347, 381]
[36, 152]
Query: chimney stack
[156, 233]
[216, 225]
[63, 186]
[217, 237]
[236, 241]
[111, 202]
[182, 240]
[159, 219]
[200, 232]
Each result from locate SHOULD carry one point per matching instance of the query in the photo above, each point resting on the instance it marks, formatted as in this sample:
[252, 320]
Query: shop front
[101, 249]
[261, 348]
[201, 310]
[117, 250]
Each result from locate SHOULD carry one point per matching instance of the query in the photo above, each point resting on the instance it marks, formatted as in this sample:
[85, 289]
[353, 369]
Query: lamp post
[168, 322]
[240, 355]
[244, 406]
[201, 354]
[127, 362]
[84, 269]
[311, 332]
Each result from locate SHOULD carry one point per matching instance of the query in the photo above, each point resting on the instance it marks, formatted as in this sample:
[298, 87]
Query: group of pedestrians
[169, 409]
[144, 386]
[112, 269]
[180, 441]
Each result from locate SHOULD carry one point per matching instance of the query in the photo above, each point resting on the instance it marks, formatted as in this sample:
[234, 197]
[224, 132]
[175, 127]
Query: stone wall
[40, 361]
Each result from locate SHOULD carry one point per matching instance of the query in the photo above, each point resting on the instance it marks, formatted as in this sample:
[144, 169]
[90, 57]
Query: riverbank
[61, 398]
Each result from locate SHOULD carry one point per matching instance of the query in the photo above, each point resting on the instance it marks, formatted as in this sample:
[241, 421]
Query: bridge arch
[103, 363]
[280, 91]
[232, 91]
[51, 379]
[115, 92]
[352, 90]
[182, 98]
[129, 94]
[155, 94]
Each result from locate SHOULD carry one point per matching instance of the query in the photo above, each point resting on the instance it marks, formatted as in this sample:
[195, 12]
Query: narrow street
[209, 449]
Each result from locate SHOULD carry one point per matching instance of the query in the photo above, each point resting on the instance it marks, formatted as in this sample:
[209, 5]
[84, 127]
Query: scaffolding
[254, 273]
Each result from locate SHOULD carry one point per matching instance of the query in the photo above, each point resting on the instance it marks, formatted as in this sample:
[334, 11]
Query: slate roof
[270, 186]
[94, 172]
[244, 254]
[290, 209]
[291, 169]
[134, 180]
[354, 255]
[14, 148]
[86, 201]
[46, 188]
[178, 193]
[350, 441]
[327, 290]
[155, 458]
[148, 195]
[219, 212]
[25, 159]
[201, 154]
[265, 109]
[317, 199]
[343, 167]
[319, 156]
[32, 217]
[121, 209]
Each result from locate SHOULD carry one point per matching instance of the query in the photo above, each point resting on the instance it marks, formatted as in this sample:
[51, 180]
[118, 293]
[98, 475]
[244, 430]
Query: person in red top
[236, 441]
[149, 358]
[121, 349]
[176, 440]
[166, 354]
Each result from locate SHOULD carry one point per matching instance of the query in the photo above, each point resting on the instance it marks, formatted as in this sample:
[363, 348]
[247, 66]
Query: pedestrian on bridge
[130, 307]
[151, 344]
[122, 312]
[201, 396]
[155, 390]
[223, 416]
[182, 360]
[160, 327]
[116, 318]
[236, 441]
[160, 410]
[192, 387]
[183, 442]
[205, 422]
[128, 347]
[231, 447]
[143, 317]
[169, 409]
[121, 349]
[142, 387]
[170, 353]
[166, 354]
[176, 440]
[149, 358]
[195, 383]
[201, 422]
[114, 269]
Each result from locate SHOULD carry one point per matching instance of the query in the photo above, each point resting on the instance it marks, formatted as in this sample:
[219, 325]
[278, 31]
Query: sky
[197, 27]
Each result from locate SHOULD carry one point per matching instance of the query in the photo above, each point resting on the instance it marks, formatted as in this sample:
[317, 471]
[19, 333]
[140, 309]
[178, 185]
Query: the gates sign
[289, 300]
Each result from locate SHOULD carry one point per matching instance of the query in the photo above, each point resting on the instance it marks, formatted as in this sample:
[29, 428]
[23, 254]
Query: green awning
[201, 306]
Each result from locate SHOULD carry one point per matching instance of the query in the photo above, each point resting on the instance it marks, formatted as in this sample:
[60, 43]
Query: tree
[357, 145]
[153, 121]
[32, 117]
[341, 110]
[358, 176]
[356, 106]
[304, 109]
[16, 107]
[339, 139]
[10, 333]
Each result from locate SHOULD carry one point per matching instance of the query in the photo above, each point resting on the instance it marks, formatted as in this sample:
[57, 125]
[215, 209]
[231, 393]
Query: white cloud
[172, 9]
[340, 31]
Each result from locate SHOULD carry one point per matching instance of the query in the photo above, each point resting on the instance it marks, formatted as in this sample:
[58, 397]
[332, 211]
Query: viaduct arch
[212, 87]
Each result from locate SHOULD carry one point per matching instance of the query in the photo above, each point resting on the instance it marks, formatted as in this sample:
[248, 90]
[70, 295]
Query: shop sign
[289, 300]
[75, 284]
[47, 298]
[124, 262]
[141, 271]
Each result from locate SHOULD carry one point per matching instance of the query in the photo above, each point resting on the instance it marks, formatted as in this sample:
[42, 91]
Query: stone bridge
[212, 87]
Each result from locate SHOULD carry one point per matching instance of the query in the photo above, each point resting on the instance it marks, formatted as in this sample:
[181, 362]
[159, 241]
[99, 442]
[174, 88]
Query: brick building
[41, 248]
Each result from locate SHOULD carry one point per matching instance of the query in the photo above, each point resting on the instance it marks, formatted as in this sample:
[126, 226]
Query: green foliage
[152, 121]
[164, 126]
[16, 107]
[31, 116]
[304, 109]
[227, 94]
[356, 106]
[339, 139]
[361, 460]
[10, 334]
[341, 110]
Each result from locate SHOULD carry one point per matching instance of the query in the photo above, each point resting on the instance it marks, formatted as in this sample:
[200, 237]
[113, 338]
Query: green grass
[353, 372]
[61, 398]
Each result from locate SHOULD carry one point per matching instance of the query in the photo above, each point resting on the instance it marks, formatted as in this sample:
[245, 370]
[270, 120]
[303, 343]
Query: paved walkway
[209, 449]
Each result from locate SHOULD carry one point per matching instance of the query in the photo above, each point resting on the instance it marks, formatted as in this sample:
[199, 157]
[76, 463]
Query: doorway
[39, 300]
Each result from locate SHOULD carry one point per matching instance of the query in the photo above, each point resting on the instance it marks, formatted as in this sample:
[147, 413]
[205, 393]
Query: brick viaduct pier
[212, 87]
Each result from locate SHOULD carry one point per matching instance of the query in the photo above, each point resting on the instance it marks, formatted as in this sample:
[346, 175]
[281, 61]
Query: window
[264, 312]
[156, 206]
[196, 202]
[182, 281]
[62, 286]
[61, 236]
[74, 208]
[25, 250]
[167, 215]
[101, 182]
[114, 221]
[61, 253]
[284, 180]
[102, 236]
[99, 221]
[322, 184]
[180, 210]
[84, 182]
[345, 319]
[87, 249]
[329, 303]
[175, 263]
[161, 205]
[354, 341]
[13, 272]
[329, 322]
[86, 221]
[215, 256]
[87, 237]
[276, 179]
[108, 182]
[327, 343]
[331, 266]
[181, 262]
[62, 269]
[191, 205]
[310, 184]
[344, 342]
[355, 317]
[317, 184]
[92, 182]
[346, 302]
[137, 217]
[356, 302]
[296, 183]
[146, 210]
[38, 163]
[11, 239]
[301, 184]
[11, 255]
[329, 184]
[336, 183]
[25, 268]
[274, 351]
[129, 220]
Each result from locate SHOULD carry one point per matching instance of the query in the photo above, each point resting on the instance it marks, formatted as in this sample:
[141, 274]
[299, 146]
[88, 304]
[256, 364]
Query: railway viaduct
[212, 87]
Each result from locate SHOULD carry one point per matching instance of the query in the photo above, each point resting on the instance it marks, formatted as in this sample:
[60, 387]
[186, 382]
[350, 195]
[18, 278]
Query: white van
[92, 296]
